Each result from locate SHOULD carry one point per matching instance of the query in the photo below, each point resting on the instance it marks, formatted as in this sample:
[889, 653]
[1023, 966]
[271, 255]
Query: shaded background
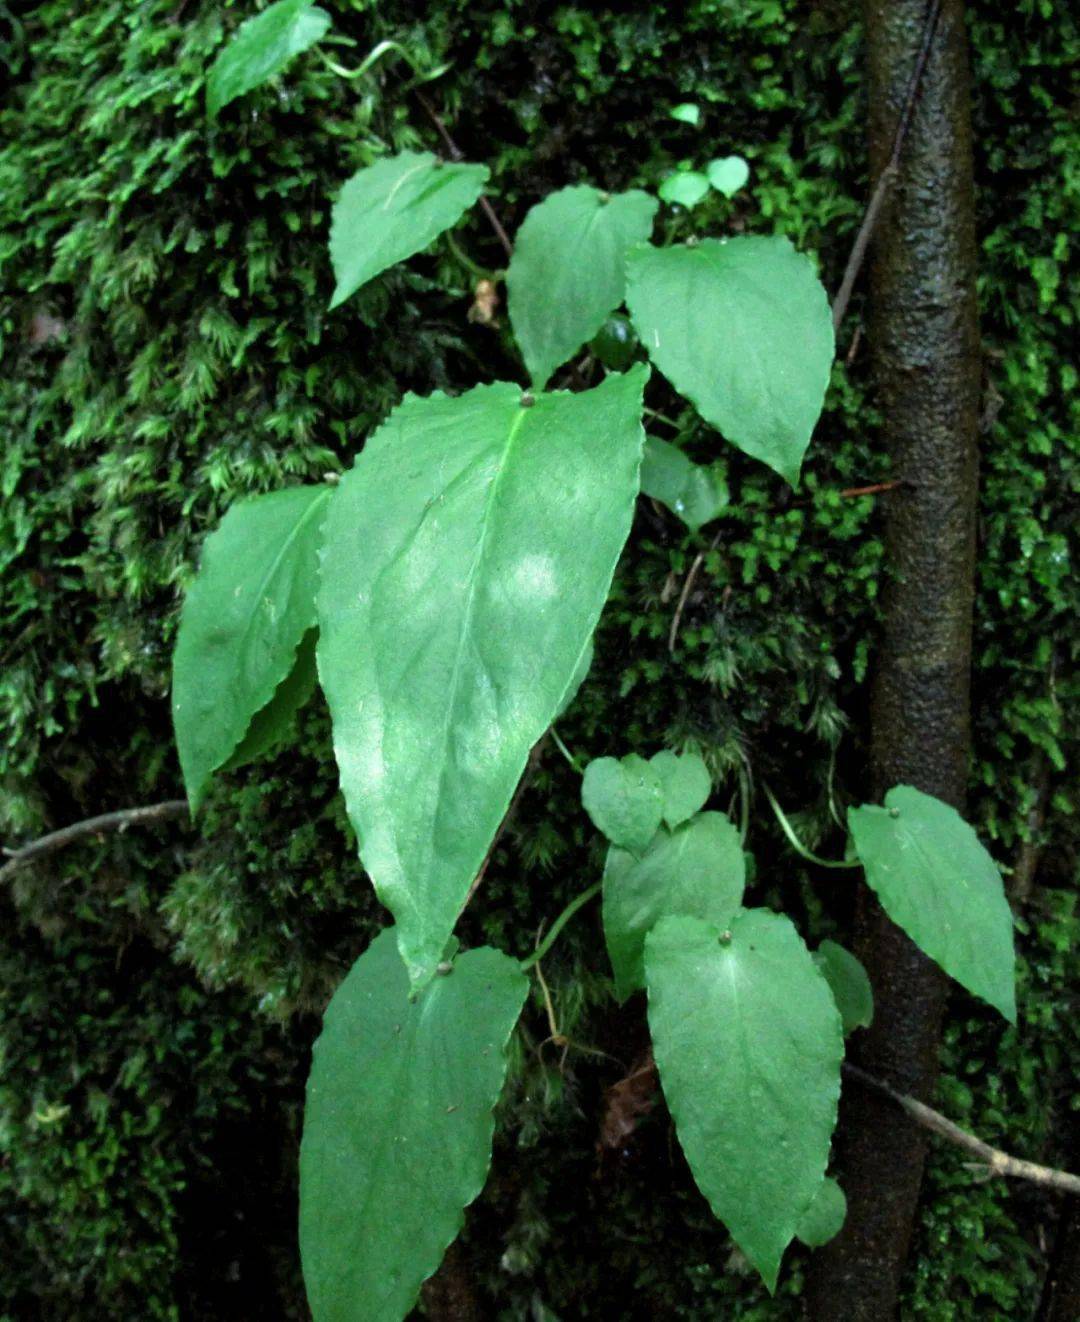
[163, 287]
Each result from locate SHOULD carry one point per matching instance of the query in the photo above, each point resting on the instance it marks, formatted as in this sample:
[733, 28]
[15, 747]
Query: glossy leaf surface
[686, 784]
[742, 328]
[693, 492]
[250, 606]
[398, 1125]
[469, 555]
[728, 174]
[393, 209]
[625, 799]
[749, 1044]
[568, 271]
[849, 984]
[824, 1218]
[261, 47]
[697, 870]
[936, 881]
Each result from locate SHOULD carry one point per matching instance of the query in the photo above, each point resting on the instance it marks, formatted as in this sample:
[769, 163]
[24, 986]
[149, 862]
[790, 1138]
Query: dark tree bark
[924, 339]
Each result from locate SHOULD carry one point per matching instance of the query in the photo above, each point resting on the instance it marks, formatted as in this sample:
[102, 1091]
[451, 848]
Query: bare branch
[171, 809]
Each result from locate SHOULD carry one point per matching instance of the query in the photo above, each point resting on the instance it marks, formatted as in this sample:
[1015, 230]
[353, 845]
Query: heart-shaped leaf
[624, 798]
[684, 188]
[936, 881]
[686, 784]
[469, 553]
[728, 174]
[742, 328]
[696, 870]
[749, 1045]
[568, 271]
[398, 1125]
[246, 614]
[849, 984]
[261, 47]
[393, 209]
[694, 493]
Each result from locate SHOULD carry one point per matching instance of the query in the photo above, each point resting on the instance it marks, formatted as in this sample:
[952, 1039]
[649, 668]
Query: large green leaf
[393, 209]
[569, 270]
[261, 47]
[937, 882]
[697, 870]
[625, 799]
[468, 556]
[398, 1125]
[749, 1045]
[742, 328]
[694, 492]
[250, 606]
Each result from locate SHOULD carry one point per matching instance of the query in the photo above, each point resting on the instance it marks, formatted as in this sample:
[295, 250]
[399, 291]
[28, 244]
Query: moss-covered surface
[163, 289]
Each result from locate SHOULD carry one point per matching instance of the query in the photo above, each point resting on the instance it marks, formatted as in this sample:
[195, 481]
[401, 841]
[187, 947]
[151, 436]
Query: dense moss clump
[166, 347]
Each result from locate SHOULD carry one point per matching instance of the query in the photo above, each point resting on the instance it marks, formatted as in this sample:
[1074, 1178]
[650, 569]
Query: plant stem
[565, 751]
[798, 845]
[558, 925]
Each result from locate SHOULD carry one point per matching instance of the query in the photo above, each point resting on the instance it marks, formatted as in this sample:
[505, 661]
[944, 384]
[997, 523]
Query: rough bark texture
[924, 334]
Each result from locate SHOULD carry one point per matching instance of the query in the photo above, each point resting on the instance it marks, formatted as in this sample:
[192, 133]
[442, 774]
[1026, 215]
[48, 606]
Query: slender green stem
[798, 845]
[481, 272]
[558, 925]
[383, 48]
[566, 752]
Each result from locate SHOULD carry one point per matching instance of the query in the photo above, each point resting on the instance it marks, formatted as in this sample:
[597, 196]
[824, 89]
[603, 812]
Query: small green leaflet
[398, 1126]
[936, 881]
[728, 174]
[685, 782]
[625, 799]
[693, 492]
[742, 328]
[824, 1218]
[393, 209]
[684, 188]
[246, 614]
[849, 985]
[261, 47]
[568, 271]
[697, 870]
[469, 554]
[272, 723]
[749, 1045]
[687, 113]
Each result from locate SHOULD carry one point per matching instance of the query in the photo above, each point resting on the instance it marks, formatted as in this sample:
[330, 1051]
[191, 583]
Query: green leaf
[693, 492]
[615, 344]
[686, 784]
[581, 674]
[468, 556]
[398, 1126]
[625, 799]
[728, 174]
[696, 871]
[568, 271]
[824, 1218]
[849, 985]
[271, 725]
[246, 614]
[393, 209]
[687, 113]
[936, 881]
[261, 47]
[742, 328]
[684, 188]
[749, 1044]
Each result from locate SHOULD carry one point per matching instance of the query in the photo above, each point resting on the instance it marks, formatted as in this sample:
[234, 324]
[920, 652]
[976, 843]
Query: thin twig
[873, 490]
[109, 821]
[456, 154]
[676, 619]
[877, 198]
[994, 1160]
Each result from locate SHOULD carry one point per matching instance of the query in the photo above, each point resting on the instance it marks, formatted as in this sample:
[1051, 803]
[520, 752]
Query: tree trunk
[924, 339]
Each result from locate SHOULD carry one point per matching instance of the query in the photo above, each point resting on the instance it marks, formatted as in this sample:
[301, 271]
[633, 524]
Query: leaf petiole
[798, 845]
[557, 926]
